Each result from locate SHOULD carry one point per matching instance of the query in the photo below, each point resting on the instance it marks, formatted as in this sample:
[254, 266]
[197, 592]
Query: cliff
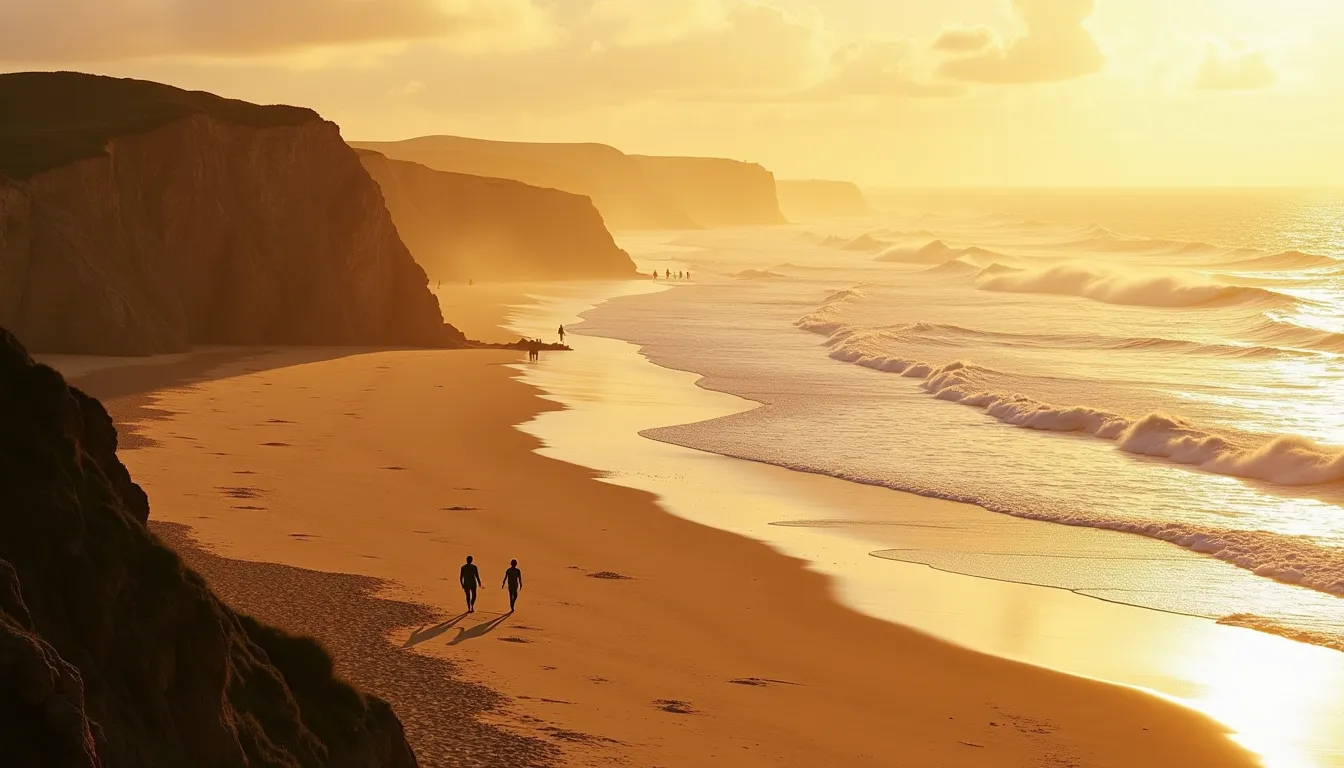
[631, 191]
[716, 192]
[136, 218]
[114, 654]
[801, 200]
[613, 180]
[462, 227]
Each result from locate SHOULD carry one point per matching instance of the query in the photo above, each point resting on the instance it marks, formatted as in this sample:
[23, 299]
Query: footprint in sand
[277, 445]
[575, 737]
[460, 509]
[674, 706]
[241, 492]
[759, 682]
[250, 508]
[243, 472]
[513, 639]
[304, 536]
[395, 468]
[609, 575]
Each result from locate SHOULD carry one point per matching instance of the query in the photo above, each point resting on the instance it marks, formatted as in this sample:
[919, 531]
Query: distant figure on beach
[688, 274]
[470, 578]
[440, 284]
[562, 334]
[514, 579]
[471, 282]
[667, 273]
[655, 274]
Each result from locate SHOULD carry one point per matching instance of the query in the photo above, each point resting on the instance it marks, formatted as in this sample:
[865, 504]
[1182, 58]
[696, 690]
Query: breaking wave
[1137, 289]
[936, 252]
[866, 341]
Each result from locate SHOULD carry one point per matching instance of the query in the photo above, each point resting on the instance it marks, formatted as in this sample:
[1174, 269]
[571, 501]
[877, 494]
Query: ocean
[1167, 365]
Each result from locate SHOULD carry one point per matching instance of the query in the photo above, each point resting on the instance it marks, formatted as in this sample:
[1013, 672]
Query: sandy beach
[336, 492]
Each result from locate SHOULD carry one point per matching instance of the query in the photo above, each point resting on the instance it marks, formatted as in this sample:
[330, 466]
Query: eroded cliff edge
[631, 191]
[612, 179]
[137, 218]
[461, 227]
[112, 653]
[716, 192]
[804, 199]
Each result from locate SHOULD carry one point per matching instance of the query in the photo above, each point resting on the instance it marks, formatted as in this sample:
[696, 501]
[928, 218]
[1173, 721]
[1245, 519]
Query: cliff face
[631, 191]
[613, 180]
[204, 224]
[801, 200]
[716, 192]
[462, 227]
[111, 652]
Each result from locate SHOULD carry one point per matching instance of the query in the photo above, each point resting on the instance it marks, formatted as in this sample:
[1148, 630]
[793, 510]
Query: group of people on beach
[470, 579]
[667, 274]
[534, 346]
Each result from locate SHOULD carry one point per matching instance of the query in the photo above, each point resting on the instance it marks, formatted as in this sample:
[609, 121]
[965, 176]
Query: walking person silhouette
[562, 334]
[514, 579]
[470, 578]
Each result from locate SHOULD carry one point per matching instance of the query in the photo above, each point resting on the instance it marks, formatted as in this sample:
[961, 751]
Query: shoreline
[1169, 666]
[610, 670]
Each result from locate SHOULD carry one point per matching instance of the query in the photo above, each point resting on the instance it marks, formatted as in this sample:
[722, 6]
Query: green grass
[50, 119]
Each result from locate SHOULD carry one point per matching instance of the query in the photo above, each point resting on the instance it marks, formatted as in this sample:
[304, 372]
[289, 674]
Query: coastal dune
[641, 638]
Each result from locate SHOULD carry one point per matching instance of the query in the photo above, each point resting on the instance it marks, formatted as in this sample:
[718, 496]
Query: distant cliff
[816, 199]
[632, 192]
[136, 218]
[114, 654]
[462, 227]
[613, 180]
[716, 192]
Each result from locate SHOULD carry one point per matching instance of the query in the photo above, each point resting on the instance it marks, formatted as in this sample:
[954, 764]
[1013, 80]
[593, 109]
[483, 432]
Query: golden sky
[883, 92]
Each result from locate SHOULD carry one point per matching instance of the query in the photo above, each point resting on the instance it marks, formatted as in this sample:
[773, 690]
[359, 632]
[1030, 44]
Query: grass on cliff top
[49, 119]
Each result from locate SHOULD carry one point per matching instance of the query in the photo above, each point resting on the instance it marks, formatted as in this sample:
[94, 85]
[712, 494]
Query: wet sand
[335, 492]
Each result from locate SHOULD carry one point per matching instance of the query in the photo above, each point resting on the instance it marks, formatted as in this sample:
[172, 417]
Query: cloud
[882, 68]
[734, 47]
[39, 31]
[640, 22]
[1056, 46]
[965, 39]
[1231, 68]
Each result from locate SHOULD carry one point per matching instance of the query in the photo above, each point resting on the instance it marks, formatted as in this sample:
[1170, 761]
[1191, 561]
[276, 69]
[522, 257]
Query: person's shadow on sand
[429, 633]
[479, 630]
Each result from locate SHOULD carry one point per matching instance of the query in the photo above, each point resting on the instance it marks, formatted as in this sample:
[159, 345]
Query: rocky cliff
[715, 192]
[462, 227]
[613, 180]
[631, 191]
[136, 218]
[111, 652]
[802, 200]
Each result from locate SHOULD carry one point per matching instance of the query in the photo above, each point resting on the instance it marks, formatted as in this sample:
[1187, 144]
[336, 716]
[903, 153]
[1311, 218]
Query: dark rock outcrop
[612, 179]
[462, 227]
[715, 192]
[111, 652]
[136, 218]
[804, 199]
[632, 192]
